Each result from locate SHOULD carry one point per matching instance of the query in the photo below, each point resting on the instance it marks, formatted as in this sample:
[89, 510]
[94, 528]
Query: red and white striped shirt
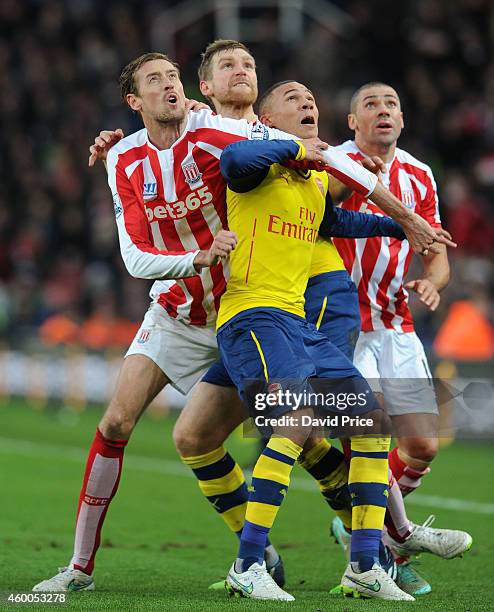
[378, 265]
[171, 203]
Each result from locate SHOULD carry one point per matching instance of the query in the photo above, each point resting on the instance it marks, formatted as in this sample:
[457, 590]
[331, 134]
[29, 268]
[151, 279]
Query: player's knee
[423, 449]
[182, 441]
[117, 424]
[191, 443]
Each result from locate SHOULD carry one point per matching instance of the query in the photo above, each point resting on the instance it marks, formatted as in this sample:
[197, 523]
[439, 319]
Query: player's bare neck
[385, 152]
[162, 135]
[231, 111]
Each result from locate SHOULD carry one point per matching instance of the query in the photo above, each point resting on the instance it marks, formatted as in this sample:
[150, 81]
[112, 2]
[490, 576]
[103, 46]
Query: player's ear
[266, 119]
[205, 89]
[134, 102]
[402, 121]
[352, 121]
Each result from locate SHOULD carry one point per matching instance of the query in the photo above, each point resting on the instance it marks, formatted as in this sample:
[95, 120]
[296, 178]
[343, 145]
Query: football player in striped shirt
[388, 351]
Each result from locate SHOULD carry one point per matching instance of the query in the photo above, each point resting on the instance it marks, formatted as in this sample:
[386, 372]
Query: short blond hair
[205, 69]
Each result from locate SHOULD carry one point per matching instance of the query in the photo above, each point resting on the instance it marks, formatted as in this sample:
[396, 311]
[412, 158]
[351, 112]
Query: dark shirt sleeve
[341, 223]
[245, 164]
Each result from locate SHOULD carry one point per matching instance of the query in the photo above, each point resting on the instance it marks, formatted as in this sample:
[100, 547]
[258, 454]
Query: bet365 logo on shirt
[177, 210]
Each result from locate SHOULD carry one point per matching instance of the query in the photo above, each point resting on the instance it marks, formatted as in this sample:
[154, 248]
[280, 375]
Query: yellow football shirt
[277, 223]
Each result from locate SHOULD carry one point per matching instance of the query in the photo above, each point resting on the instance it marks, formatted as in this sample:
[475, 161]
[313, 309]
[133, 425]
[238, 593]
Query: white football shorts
[394, 364]
[184, 352]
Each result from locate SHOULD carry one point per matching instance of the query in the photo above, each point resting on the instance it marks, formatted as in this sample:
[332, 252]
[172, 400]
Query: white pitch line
[418, 499]
[29, 448]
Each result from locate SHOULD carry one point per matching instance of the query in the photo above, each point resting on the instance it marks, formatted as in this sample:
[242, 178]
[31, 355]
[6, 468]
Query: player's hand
[422, 236]
[313, 149]
[223, 244]
[374, 164]
[427, 292]
[194, 105]
[102, 144]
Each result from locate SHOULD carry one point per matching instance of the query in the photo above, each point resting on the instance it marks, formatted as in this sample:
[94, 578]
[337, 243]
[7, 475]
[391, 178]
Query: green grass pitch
[163, 545]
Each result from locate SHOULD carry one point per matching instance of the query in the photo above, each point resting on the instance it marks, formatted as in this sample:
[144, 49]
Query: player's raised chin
[290, 106]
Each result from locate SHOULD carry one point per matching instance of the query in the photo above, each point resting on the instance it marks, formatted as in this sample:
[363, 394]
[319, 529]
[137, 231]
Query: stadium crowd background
[61, 274]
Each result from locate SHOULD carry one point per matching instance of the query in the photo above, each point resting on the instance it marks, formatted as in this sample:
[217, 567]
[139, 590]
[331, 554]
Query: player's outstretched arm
[419, 233]
[341, 192]
[341, 223]
[246, 163]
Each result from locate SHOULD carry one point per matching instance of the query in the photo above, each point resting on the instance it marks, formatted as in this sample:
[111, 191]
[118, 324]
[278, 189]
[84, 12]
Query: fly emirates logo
[302, 230]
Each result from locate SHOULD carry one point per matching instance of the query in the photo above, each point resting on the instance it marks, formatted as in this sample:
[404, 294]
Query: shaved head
[358, 94]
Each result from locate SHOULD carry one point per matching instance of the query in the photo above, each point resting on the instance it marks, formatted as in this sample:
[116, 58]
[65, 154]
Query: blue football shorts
[270, 351]
[331, 303]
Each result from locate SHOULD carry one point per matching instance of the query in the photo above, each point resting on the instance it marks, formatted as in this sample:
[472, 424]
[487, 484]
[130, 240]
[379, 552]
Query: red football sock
[101, 478]
[396, 465]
